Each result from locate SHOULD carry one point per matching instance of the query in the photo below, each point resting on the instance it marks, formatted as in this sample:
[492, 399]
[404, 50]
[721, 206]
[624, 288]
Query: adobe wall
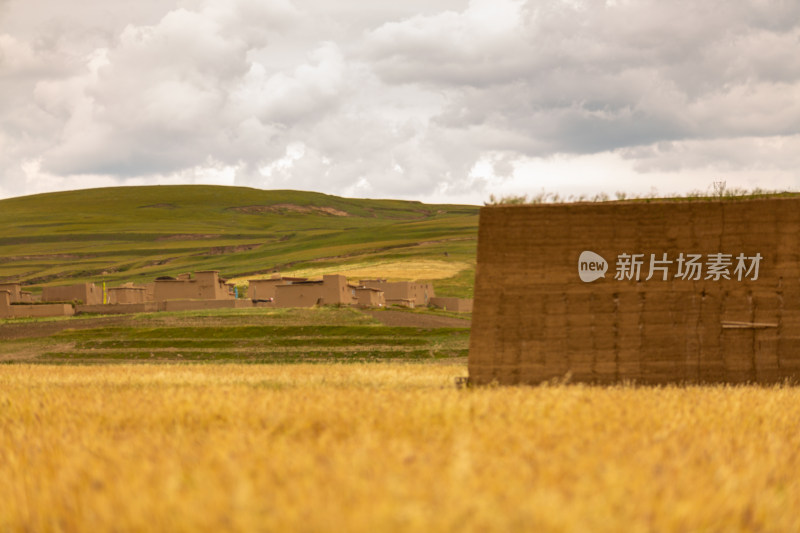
[14, 290]
[336, 290]
[419, 292]
[126, 295]
[539, 314]
[263, 289]
[366, 297]
[120, 308]
[299, 295]
[88, 293]
[5, 303]
[393, 290]
[458, 305]
[199, 305]
[210, 287]
[40, 310]
[205, 286]
[169, 289]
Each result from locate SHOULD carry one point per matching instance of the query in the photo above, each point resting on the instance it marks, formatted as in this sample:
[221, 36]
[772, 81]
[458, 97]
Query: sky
[446, 101]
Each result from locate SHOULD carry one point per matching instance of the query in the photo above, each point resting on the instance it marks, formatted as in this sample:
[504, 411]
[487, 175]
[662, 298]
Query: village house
[332, 290]
[127, 294]
[85, 293]
[206, 285]
[206, 290]
[369, 297]
[403, 293]
[9, 309]
[16, 294]
[263, 290]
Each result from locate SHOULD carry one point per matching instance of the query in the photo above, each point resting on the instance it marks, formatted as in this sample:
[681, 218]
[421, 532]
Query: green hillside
[138, 233]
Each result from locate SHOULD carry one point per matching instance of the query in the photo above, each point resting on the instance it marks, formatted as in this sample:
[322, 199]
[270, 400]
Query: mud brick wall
[535, 320]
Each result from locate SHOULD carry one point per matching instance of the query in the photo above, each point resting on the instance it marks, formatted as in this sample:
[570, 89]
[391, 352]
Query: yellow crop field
[429, 269]
[386, 447]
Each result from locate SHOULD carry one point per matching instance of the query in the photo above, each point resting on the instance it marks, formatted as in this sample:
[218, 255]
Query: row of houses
[206, 290]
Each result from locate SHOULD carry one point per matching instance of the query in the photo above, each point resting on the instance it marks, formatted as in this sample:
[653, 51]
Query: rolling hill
[135, 234]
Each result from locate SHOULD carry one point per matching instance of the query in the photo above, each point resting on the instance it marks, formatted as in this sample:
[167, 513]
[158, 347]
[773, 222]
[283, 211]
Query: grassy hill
[135, 234]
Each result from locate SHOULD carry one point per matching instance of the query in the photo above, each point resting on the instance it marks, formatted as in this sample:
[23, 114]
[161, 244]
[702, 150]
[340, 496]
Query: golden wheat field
[386, 447]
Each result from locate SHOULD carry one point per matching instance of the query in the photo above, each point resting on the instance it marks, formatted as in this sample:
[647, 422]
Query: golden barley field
[386, 447]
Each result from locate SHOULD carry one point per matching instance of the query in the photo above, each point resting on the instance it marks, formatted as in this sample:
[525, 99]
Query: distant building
[369, 297]
[332, 290]
[86, 293]
[206, 285]
[127, 294]
[263, 290]
[404, 293]
[9, 309]
[16, 294]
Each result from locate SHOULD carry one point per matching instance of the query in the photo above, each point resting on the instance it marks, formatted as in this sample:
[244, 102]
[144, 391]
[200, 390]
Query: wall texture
[418, 292]
[535, 319]
[127, 295]
[14, 290]
[121, 308]
[88, 293]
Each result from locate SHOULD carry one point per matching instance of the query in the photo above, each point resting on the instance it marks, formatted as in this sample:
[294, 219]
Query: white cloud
[439, 99]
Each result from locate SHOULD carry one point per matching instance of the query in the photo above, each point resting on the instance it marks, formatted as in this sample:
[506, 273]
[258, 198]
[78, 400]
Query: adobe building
[87, 293]
[404, 293]
[369, 297]
[206, 285]
[263, 290]
[9, 309]
[701, 291]
[127, 294]
[332, 290]
[16, 294]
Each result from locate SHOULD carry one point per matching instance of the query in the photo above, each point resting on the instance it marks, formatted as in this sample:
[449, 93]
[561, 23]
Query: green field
[136, 234]
[259, 335]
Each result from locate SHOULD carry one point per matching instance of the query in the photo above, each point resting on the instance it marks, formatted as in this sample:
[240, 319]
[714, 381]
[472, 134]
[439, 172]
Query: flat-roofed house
[333, 289]
[206, 285]
[127, 294]
[16, 294]
[369, 297]
[86, 293]
[405, 293]
[263, 290]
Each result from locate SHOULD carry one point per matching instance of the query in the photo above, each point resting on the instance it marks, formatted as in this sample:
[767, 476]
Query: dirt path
[419, 320]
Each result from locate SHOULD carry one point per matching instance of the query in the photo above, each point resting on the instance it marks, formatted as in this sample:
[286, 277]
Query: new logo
[591, 266]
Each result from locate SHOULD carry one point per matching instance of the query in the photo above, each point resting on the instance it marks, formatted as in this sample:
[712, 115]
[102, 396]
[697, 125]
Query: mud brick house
[405, 293]
[331, 290]
[369, 297]
[127, 294]
[263, 290]
[206, 285]
[700, 291]
[87, 293]
[16, 294]
[9, 309]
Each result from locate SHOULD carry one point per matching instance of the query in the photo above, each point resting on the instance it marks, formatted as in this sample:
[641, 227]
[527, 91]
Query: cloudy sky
[435, 100]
